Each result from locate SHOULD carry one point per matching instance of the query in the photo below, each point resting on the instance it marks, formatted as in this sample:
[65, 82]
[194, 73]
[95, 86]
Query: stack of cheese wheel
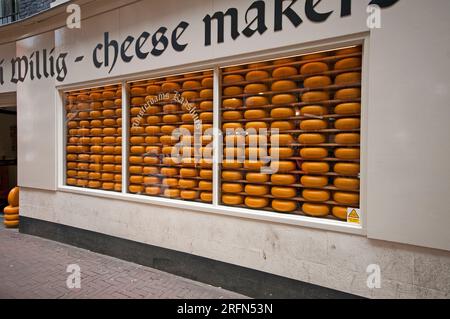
[313, 103]
[94, 138]
[11, 219]
[171, 137]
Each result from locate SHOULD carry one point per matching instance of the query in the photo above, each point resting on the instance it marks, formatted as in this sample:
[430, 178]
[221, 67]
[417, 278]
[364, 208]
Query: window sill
[277, 218]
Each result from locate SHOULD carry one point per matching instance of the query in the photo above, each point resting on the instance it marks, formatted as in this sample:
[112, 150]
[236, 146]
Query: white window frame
[216, 207]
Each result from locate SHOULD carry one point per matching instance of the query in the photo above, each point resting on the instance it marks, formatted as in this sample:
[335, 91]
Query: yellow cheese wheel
[255, 114]
[170, 119]
[170, 86]
[187, 183]
[170, 182]
[348, 78]
[229, 164]
[284, 206]
[152, 110]
[315, 96]
[232, 115]
[350, 50]
[13, 197]
[284, 61]
[314, 153]
[137, 91]
[137, 150]
[150, 170]
[282, 113]
[149, 180]
[283, 179]
[256, 140]
[347, 153]
[135, 189]
[314, 181]
[280, 99]
[285, 71]
[206, 197]
[187, 118]
[253, 165]
[232, 176]
[206, 94]
[206, 174]
[188, 85]
[11, 224]
[256, 88]
[315, 167]
[348, 138]
[169, 171]
[348, 63]
[152, 190]
[232, 103]
[346, 198]
[231, 126]
[313, 125]
[109, 131]
[205, 186]
[170, 108]
[281, 152]
[314, 56]
[11, 210]
[317, 82]
[189, 195]
[136, 179]
[284, 192]
[258, 65]
[71, 181]
[165, 129]
[256, 126]
[153, 89]
[348, 94]
[108, 104]
[347, 169]
[256, 190]
[281, 139]
[347, 183]
[316, 210]
[232, 199]
[283, 166]
[311, 139]
[232, 78]
[284, 85]
[232, 188]
[315, 195]
[172, 193]
[232, 91]
[256, 101]
[257, 178]
[109, 140]
[257, 75]
[339, 212]
[11, 218]
[188, 172]
[348, 124]
[313, 68]
[256, 202]
[282, 126]
[138, 101]
[348, 108]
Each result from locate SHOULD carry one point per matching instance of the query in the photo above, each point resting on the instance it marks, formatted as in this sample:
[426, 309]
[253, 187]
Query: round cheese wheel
[172, 193]
[136, 179]
[256, 101]
[315, 96]
[109, 140]
[137, 150]
[153, 190]
[206, 105]
[109, 131]
[317, 81]
[153, 89]
[170, 119]
[315, 167]
[232, 199]
[11, 218]
[348, 124]
[314, 56]
[256, 126]
[231, 126]
[233, 68]
[283, 112]
[256, 202]
[283, 179]
[256, 88]
[280, 99]
[257, 178]
[348, 78]
[189, 85]
[170, 86]
[206, 94]
[170, 108]
[347, 169]
[256, 190]
[284, 72]
[136, 140]
[350, 50]
[284, 61]
[108, 104]
[206, 197]
[134, 111]
[316, 210]
[314, 181]
[253, 165]
[150, 170]
[232, 103]
[313, 125]
[311, 139]
[170, 182]
[348, 108]
[283, 166]
[71, 181]
[228, 164]
[11, 224]
[284, 85]
[138, 101]
[348, 94]
[165, 129]
[349, 63]
[188, 172]
[257, 75]
[232, 91]
[152, 110]
[187, 118]
[232, 78]
[255, 114]
[258, 65]
[169, 171]
[13, 197]
[187, 183]
[281, 139]
[347, 153]
[282, 126]
[256, 140]
[347, 183]
[232, 176]
[137, 91]
[11, 210]
[313, 68]
[206, 174]
[232, 115]
[346, 198]
[348, 138]
[135, 189]
[149, 180]
[205, 186]
[314, 195]
[284, 192]
[189, 195]
[339, 212]
[188, 127]
[314, 110]
[281, 152]
[284, 206]
[313, 153]
[232, 188]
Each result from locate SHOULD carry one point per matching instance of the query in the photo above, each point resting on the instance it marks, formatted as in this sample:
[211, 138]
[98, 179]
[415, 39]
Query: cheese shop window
[94, 142]
[292, 134]
[171, 122]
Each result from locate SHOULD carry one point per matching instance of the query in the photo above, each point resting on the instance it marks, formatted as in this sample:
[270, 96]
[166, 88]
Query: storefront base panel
[255, 258]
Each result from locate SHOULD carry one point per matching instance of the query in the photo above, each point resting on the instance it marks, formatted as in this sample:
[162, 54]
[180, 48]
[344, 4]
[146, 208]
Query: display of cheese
[256, 202]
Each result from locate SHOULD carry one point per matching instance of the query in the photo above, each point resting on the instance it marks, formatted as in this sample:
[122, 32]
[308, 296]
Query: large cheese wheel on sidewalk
[9, 210]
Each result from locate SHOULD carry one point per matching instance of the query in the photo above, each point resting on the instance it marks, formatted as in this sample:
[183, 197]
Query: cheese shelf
[328, 103]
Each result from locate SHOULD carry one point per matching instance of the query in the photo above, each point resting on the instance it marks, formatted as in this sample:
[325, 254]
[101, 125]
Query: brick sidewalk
[32, 267]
